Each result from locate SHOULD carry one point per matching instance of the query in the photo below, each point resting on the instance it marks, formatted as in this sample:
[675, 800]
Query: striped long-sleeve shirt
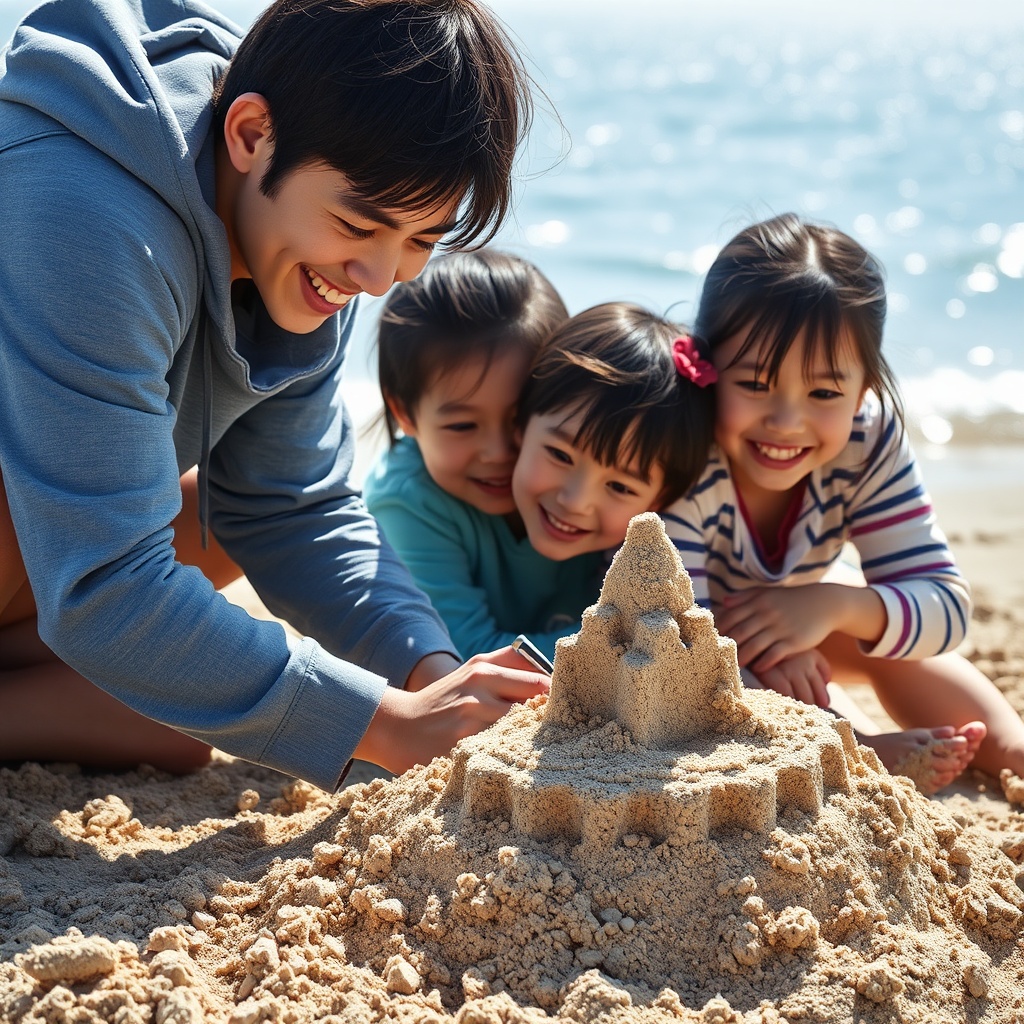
[872, 498]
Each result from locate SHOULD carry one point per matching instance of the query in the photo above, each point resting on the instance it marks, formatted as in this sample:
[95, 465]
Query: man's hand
[416, 725]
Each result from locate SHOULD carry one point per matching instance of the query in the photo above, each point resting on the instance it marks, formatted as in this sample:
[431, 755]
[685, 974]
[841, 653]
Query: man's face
[315, 244]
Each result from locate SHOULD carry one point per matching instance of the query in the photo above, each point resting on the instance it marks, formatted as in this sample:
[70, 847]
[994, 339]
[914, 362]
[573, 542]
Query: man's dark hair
[416, 102]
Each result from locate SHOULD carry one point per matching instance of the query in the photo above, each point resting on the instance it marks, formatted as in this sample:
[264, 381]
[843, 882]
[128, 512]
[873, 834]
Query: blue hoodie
[124, 361]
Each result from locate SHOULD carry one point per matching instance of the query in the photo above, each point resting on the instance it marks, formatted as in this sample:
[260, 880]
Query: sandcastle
[651, 661]
[650, 843]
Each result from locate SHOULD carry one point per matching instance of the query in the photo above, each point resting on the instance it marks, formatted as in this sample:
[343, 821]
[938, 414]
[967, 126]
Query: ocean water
[904, 128]
[664, 127]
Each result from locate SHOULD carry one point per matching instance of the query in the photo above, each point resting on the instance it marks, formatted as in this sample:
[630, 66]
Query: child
[811, 452]
[211, 205]
[454, 350]
[615, 421]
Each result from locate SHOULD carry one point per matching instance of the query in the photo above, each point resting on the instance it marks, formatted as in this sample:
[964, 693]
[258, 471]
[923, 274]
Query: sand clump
[651, 843]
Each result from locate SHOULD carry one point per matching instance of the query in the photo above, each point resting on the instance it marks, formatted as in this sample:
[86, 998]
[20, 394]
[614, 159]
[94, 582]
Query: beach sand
[238, 895]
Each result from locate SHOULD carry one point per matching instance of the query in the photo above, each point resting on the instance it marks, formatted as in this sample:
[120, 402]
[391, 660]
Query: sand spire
[694, 759]
[646, 655]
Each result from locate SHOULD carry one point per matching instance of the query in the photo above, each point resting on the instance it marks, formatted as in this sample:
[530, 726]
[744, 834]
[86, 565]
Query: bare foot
[931, 758]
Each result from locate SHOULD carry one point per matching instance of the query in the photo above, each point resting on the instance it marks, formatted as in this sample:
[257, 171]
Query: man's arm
[284, 508]
[91, 474]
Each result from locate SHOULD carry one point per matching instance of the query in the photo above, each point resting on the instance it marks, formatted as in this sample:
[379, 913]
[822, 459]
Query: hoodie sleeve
[284, 508]
[99, 289]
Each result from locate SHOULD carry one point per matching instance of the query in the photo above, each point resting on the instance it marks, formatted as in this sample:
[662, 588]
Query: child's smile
[775, 457]
[499, 487]
[559, 528]
[775, 432]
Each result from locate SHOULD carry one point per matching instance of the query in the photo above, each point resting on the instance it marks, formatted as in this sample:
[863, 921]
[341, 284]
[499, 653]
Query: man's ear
[401, 415]
[247, 132]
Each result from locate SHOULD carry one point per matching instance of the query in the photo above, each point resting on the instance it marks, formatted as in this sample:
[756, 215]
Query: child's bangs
[621, 435]
[816, 324]
[442, 355]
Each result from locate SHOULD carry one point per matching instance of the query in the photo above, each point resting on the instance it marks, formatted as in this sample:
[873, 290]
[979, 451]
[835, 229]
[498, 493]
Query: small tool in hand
[530, 652]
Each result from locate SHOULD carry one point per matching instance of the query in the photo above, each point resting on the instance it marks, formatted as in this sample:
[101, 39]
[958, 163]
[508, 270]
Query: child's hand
[415, 727]
[802, 677]
[771, 624]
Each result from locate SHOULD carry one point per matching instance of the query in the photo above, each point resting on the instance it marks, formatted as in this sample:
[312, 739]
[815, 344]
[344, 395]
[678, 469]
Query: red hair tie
[690, 364]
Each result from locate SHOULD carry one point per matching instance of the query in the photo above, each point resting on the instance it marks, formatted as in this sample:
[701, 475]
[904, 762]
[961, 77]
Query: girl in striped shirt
[810, 454]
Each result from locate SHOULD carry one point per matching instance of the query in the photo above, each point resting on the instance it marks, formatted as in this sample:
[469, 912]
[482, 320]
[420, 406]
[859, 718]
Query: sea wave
[953, 407]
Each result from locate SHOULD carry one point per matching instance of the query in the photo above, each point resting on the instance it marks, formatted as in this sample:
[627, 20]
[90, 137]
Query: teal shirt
[487, 585]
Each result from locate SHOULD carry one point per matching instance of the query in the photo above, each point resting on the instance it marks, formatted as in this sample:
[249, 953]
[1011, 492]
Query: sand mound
[653, 843]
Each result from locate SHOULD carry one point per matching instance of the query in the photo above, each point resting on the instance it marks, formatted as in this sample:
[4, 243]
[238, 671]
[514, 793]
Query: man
[182, 248]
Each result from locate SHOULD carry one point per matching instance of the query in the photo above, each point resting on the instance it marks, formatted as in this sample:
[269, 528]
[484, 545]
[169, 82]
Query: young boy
[182, 247]
[508, 537]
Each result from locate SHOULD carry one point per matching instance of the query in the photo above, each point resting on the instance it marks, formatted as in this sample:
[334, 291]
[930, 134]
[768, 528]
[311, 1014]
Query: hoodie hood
[92, 64]
[134, 80]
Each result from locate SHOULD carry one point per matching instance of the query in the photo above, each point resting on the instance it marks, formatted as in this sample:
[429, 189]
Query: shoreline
[983, 520]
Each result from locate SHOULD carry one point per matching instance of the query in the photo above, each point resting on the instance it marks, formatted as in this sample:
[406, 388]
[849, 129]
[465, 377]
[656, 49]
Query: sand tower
[694, 758]
[652, 843]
